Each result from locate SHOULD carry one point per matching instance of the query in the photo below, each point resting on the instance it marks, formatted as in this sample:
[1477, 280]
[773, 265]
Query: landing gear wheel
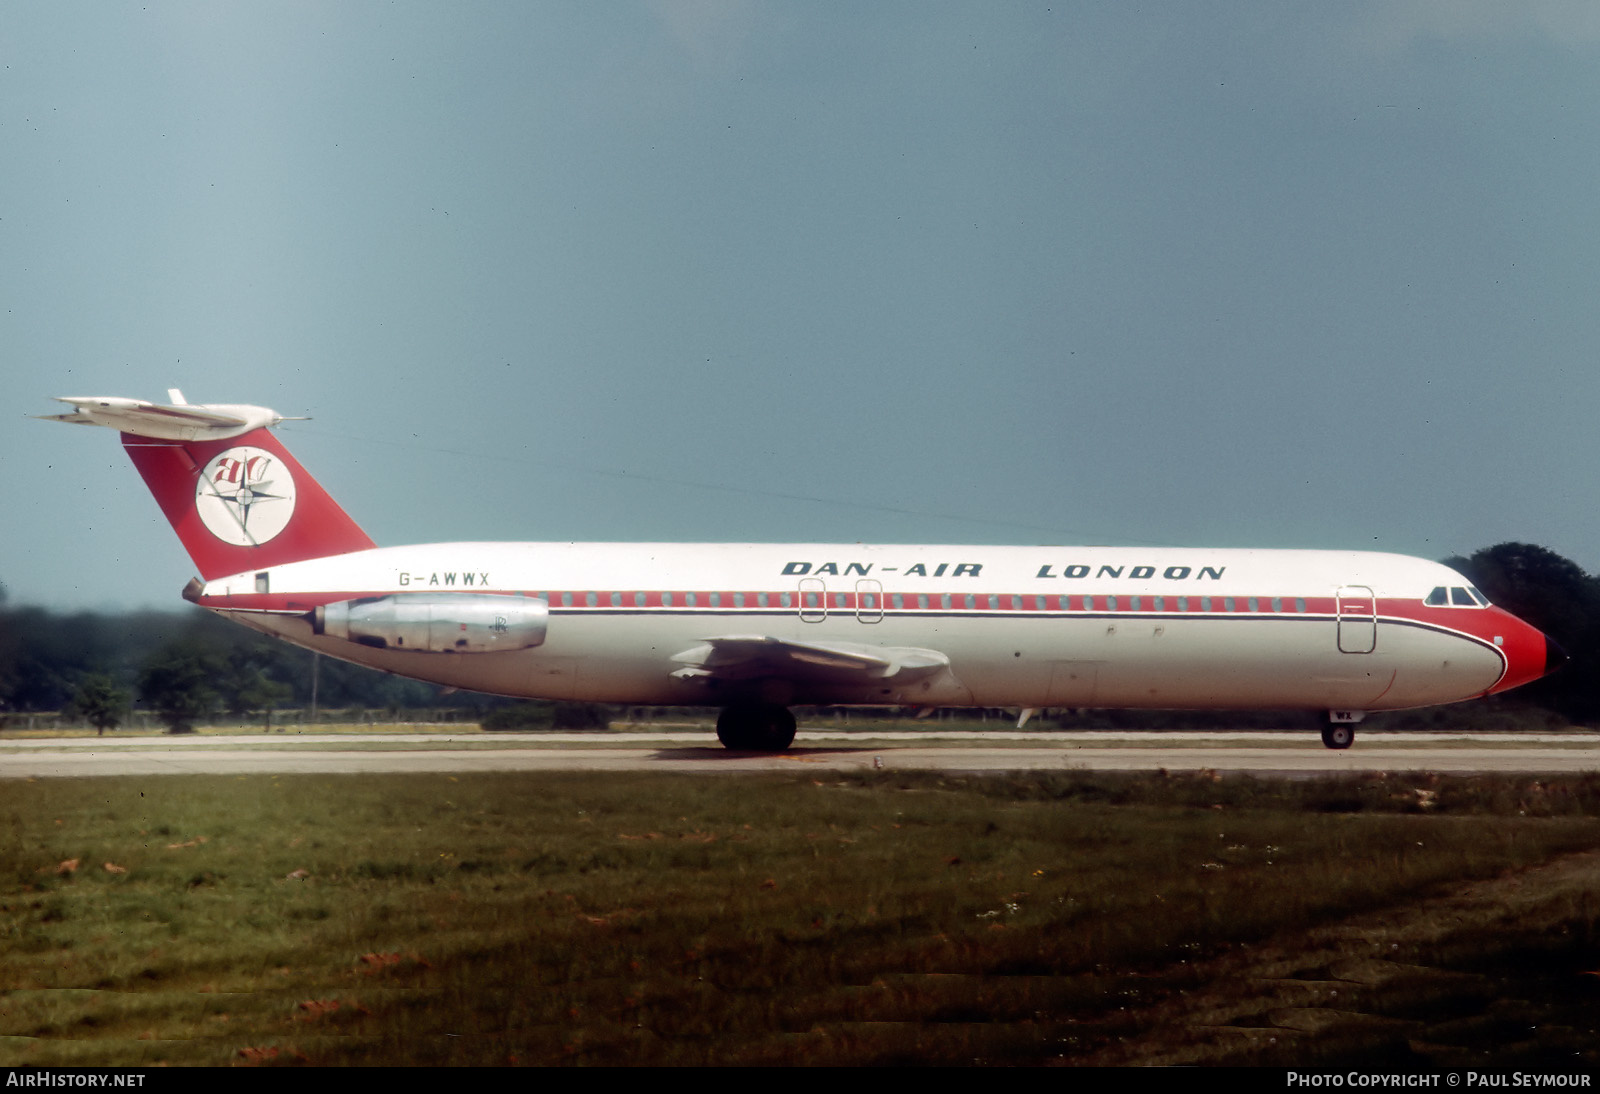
[756, 728]
[1339, 735]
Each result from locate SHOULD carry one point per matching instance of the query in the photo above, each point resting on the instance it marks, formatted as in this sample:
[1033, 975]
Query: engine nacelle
[437, 622]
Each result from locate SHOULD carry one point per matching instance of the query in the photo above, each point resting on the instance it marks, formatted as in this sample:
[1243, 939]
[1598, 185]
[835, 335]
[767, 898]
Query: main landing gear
[756, 727]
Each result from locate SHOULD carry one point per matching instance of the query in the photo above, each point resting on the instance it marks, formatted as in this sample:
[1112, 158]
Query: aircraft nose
[1554, 655]
[1529, 652]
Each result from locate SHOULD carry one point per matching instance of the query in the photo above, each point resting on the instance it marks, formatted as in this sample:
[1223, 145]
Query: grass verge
[878, 919]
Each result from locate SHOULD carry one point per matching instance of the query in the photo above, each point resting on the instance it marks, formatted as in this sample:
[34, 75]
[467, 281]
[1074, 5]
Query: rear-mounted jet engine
[437, 622]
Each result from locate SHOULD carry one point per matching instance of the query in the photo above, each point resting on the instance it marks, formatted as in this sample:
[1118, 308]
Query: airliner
[755, 629]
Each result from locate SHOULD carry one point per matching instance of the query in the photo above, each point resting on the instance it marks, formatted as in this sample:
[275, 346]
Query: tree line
[1556, 595]
[192, 665]
[184, 666]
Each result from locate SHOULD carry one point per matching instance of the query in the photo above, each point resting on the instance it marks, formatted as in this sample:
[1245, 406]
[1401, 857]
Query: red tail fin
[242, 503]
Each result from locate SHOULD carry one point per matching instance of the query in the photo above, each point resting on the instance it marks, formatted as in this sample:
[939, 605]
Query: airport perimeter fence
[144, 720]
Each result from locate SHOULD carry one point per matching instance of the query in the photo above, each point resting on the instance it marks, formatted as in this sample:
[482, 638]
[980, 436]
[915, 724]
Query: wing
[751, 657]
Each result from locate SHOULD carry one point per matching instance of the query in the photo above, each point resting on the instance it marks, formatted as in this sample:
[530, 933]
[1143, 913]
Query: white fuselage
[1020, 626]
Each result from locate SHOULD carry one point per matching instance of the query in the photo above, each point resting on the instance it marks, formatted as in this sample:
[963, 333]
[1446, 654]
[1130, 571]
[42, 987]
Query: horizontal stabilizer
[166, 422]
[229, 488]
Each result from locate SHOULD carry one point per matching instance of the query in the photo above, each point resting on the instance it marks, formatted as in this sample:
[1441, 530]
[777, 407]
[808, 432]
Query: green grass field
[545, 919]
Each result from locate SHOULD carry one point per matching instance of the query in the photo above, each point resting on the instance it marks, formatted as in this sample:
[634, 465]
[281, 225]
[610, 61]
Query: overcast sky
[1215, 274]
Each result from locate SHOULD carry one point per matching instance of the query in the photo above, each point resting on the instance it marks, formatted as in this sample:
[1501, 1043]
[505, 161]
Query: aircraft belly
[628, 659]
[1132, 662]
[1437, 667]
[1263, 663]
[1260, 663]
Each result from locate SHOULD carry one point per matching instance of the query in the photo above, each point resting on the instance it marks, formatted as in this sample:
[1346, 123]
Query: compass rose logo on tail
[245, 496]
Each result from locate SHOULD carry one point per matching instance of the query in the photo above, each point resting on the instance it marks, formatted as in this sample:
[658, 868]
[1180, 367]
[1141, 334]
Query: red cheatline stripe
[677, 601]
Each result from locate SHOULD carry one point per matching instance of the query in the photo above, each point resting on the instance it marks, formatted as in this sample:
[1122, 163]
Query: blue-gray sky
[1230, 274]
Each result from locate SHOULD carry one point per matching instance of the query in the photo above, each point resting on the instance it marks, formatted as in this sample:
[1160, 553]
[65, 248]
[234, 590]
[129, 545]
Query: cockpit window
[1456, 596]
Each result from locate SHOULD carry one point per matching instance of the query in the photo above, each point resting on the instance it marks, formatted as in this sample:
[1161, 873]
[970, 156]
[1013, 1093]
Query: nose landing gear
[1340, 732]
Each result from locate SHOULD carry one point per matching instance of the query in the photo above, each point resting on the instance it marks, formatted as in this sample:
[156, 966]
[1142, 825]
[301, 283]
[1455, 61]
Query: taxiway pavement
[1290, 754]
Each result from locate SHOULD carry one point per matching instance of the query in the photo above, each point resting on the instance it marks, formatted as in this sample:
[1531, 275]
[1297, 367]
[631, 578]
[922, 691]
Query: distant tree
[246, 682]
[46, 655]
[1549, 591]
[177, 683]
[101, 702]
[38, 660]
[1554, 594]
[581, 716]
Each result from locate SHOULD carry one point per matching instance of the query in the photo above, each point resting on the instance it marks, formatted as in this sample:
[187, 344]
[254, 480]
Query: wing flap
[749, 657]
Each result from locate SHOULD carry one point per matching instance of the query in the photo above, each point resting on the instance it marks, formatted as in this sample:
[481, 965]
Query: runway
[1263, 753]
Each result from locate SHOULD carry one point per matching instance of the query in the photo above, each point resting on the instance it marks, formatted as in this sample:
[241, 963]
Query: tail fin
[236, 497]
